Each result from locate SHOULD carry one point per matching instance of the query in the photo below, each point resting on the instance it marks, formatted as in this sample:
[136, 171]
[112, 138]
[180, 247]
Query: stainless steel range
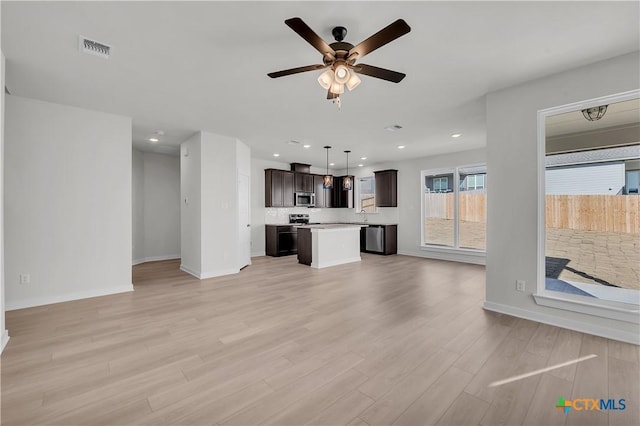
[299, 219]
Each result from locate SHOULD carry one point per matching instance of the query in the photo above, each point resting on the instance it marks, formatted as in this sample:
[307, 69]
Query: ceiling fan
[341, 56]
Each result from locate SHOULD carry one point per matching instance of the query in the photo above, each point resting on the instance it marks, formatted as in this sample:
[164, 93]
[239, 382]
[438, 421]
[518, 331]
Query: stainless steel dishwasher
[375, 239]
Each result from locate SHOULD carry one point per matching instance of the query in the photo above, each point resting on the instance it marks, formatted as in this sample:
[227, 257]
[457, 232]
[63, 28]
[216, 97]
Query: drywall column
[4, 335]
[219, 206]
[137, 203]
[190, 211]
[209, 213]
[512, 197]
[67, 203]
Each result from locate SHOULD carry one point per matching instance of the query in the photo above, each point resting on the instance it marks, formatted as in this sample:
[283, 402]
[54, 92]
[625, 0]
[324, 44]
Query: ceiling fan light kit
[340, 57]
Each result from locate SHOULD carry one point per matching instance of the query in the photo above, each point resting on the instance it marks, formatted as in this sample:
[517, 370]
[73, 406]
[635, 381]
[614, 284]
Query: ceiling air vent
[93, 47]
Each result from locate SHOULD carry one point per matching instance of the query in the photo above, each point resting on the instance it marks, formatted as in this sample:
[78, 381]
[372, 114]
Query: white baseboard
[155, 259]
[218, 273]
[209, 274]
[190, 271]
[39, 301]
[597, 330]
[316, 265]
[452, 256]
[4, 340]
[258, 254]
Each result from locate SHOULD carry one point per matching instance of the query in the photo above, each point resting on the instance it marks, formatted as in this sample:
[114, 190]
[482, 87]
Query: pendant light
[347, 184]
[327, 180]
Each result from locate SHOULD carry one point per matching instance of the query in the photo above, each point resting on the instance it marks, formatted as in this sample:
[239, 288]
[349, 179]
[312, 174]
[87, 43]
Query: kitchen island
[321, 246]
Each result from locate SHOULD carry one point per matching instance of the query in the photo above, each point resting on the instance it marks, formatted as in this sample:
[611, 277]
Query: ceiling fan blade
[379, 39]
[303, 30]
[376, 72]
[296, 70]
[331, 95]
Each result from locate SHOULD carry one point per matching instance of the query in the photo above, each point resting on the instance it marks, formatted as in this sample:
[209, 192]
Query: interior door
[244, 221]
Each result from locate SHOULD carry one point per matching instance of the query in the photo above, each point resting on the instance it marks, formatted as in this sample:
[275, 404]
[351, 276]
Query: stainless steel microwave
[305, 199]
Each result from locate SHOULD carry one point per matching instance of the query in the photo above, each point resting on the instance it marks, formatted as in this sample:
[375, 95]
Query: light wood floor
[390, 340]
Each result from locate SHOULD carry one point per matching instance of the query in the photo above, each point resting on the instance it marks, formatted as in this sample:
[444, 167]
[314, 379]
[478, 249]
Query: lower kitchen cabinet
[281, 240]
[379, 239]
[304, 246]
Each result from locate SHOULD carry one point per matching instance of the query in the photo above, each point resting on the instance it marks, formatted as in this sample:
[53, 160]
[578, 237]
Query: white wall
[219, 205]
[4, 335]
[512, 203]
[137, 202]
[209, 220]
[156, 206]
[190, 211]
[67, 202]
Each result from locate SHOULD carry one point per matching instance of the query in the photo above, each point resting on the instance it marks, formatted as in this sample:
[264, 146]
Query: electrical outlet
[520, 285]
[25, 278]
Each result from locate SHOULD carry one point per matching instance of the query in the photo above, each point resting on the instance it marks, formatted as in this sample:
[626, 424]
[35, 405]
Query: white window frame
[587, 305]
[456, 227]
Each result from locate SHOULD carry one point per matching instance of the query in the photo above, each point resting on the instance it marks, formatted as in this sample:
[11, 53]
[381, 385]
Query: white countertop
[333, 226]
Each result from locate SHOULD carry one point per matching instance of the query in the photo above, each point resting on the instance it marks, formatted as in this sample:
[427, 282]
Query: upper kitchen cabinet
[278, 188]
[342, 198]
[304, 182]
[386, 188]
[324, 197]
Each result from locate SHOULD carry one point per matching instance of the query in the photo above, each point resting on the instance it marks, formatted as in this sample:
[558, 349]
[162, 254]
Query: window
[366, 195]
[440, 184]
[472, 182]
[588, 231]
[454, 207]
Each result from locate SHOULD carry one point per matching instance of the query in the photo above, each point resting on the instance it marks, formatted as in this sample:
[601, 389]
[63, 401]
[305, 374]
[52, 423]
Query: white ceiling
[183, 67]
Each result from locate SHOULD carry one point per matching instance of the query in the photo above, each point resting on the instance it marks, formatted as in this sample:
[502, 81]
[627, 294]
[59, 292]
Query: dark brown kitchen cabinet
[324, 197]
[281, 240]
[278, 188]
[379, 239]
[304, 182]
[386, 188]
[342, 198]
[304, 246]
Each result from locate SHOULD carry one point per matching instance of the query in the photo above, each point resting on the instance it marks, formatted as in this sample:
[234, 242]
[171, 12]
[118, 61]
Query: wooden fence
[607, 213]
[471, 207]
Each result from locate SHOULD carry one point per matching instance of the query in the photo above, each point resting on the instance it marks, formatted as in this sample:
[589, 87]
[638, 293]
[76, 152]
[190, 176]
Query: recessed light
[332, 164]
[401, 147]
[276, 155]
[363, 158]
[393, 127]
[306, 146]
[360, 165]
[456, 135]
[153, 139]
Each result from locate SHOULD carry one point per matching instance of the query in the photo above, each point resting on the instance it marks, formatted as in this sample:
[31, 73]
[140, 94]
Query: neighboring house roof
[594, 156]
